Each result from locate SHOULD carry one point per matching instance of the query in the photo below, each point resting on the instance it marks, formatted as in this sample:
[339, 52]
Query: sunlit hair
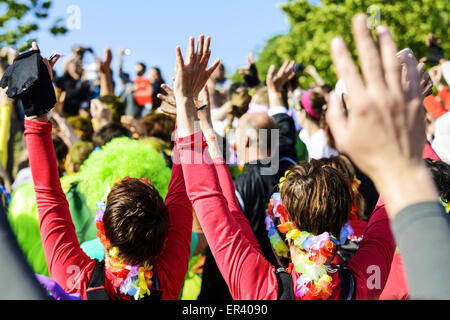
[344, 166]
[136, 220]
[317, 197]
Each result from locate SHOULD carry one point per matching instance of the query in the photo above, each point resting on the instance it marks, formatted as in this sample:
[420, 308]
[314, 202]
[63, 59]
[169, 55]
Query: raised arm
[246, 272]
[175, 256]
[66, 261]
[389, 113]
[225, 179]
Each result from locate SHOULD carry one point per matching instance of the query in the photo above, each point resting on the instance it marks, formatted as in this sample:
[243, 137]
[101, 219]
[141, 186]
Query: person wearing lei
[132, 280]
[315, 251]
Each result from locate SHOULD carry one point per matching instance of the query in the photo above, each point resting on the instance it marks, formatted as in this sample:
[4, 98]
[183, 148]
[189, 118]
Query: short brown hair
[317, 198]
[343, 164]
[159, 125]
[136, 220]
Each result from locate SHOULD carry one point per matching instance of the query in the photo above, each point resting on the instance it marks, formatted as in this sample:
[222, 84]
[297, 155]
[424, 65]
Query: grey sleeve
[422, 232]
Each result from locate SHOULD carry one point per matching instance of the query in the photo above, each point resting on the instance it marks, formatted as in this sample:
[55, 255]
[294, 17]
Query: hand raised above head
[384, 132]
[275, 81]
[168, 105]
[190, 78]
[29, 79]
[191, 75]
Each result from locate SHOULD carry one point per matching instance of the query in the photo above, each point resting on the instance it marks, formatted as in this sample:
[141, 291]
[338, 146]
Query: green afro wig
[122, 157]
[24, 221]
[118, 159]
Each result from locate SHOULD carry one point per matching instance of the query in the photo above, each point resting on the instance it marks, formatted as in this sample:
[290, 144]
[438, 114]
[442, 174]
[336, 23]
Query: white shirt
[317, 145]
[441, 142]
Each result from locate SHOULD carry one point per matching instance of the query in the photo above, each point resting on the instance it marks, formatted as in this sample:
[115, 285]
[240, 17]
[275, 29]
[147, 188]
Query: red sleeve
[247, 273]
[171, 266]
[68, 265]
[397, 284]
[371, 264]
[444, 94]
[429, 153]
[434, 107]
[229, 192]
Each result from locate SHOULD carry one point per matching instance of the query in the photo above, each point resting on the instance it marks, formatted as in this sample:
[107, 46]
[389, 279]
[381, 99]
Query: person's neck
[311, 127]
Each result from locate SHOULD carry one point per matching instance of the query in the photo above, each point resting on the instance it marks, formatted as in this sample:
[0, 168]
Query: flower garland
[314, 282]
[355, 188]
[132, 280]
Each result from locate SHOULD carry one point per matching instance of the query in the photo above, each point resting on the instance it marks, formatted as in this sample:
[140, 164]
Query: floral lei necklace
[314, 282]
[132, 280]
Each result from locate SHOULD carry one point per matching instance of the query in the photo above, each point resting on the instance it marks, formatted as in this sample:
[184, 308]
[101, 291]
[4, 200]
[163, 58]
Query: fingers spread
[201, 40]
[369, 57]
[190, 54]
[391, 63]
[336, 119]
[179, 63]
[214, 66]
[346, 68]
[270, 73]
[413, 87]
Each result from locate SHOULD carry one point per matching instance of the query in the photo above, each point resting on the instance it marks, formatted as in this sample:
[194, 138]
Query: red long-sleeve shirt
[438, 106]
[397, 283]
[68, 265]
[247, 273]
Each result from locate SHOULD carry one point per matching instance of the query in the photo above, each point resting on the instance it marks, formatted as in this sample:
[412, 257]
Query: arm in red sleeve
[444, 94]
[434, 107]
[171, 266]
[68, 264]
[229, 191]
[245, 270]
[372, 262]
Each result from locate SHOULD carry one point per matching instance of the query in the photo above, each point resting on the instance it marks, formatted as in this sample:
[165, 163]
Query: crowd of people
[217, 190]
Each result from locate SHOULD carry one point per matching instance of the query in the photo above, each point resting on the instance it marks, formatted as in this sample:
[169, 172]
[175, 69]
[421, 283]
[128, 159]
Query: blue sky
[152, 29]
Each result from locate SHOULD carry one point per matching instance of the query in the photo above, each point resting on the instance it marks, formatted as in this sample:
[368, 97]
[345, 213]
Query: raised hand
[104, 68]
[101, 114]
[384, 132]
[192, 75]
[168, 104]
[39, 98]
[276, 81]
[190, 78]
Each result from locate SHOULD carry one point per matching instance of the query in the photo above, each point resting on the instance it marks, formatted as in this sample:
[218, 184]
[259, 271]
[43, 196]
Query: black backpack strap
[285, 287]
[347, 283]
[155, 290]
[96, 288]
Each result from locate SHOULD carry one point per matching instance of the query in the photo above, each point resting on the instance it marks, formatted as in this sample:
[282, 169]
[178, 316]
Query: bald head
[254, 135]
[256, 121]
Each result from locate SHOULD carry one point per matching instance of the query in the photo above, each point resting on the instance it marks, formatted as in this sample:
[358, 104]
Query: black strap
[347, 283]
[285, 287]
[96, 288]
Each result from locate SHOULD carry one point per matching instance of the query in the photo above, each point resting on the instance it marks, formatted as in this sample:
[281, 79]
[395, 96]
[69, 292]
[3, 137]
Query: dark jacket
[253, 190]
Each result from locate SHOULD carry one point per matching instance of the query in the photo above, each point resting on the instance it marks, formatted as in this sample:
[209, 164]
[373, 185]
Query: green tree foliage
[19, 20]
[313, 26]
